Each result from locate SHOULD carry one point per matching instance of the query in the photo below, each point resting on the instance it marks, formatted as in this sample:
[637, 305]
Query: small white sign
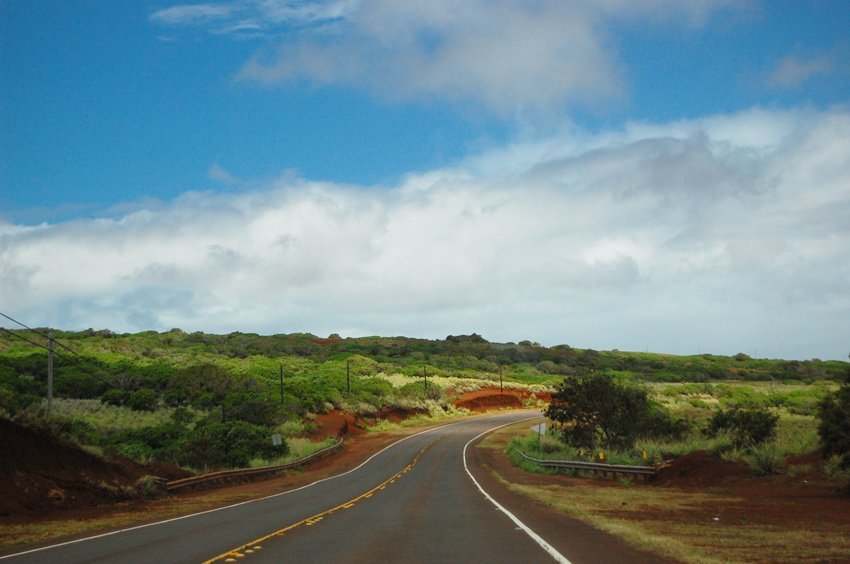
[539, 429]
[277, 440]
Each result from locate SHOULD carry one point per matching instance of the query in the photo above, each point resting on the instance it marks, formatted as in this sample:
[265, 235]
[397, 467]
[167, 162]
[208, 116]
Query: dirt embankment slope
[40, 474]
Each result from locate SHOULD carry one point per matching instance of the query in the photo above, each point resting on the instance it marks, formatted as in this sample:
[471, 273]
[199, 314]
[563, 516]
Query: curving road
[414, 501]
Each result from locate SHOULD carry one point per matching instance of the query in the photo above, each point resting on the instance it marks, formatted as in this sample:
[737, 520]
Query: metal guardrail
[183, 483]
[594, 466]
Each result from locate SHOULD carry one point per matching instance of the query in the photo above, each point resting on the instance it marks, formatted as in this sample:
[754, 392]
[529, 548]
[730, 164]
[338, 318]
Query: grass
[600, 506]
[436, 413]
[109, 417]
[675, 523]
[459, 385]
[298, 449]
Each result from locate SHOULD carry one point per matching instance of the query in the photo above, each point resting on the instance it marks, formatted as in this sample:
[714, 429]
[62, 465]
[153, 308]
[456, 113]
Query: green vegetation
[166, 396]
[750, 421]
[598, 412]
[834, 431]
[748, 428]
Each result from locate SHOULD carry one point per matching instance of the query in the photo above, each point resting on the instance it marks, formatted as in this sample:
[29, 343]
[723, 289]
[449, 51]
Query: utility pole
[281, 383]
[49, 372]
[425, 375]
[348, 376]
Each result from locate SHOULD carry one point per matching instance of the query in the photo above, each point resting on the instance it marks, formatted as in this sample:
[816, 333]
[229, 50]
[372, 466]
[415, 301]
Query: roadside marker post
[540, 429]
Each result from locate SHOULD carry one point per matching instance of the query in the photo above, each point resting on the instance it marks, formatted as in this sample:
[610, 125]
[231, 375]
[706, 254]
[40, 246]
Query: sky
[657, 176]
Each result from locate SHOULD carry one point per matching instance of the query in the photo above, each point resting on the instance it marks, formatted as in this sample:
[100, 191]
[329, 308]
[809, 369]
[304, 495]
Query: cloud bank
[724, 234]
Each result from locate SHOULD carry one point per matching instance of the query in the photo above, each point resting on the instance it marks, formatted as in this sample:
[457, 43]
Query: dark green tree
[834, 422]
[596, 411]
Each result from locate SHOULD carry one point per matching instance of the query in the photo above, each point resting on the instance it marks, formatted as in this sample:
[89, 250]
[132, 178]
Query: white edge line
[287, 492]
[525, 528]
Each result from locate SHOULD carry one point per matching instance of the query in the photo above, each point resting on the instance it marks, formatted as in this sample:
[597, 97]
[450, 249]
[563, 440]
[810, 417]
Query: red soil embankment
[39, 472]
[485, 399]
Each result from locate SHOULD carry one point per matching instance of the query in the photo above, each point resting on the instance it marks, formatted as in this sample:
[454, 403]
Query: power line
[30, 341]
[63, 357]
[49, 338]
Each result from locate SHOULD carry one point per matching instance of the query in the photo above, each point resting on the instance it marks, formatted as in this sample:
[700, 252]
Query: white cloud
[793, 72]
[217, 173]
[728, 233]
[192, 14]
[505, 56]
[235, 17]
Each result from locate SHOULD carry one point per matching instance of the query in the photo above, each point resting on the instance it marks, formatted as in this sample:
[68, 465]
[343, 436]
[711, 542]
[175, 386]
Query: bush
[658, 424]
[228, 444]
[143, 400]
[834, 423]
[114, 396]
[747, 428]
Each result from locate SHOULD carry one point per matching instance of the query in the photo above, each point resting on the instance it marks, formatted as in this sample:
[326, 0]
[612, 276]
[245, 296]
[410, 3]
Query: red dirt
[805, 501]
[42, 473]
[334, 424]
[730, 495]
[485, 399]
[393, 415]
[701, 469]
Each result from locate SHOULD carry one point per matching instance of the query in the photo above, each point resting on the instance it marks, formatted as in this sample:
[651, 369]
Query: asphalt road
[414, 501]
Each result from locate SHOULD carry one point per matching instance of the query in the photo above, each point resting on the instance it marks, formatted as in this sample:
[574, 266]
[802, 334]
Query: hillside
[206, 401]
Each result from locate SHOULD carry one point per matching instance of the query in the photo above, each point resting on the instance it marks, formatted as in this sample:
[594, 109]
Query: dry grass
[685, 525]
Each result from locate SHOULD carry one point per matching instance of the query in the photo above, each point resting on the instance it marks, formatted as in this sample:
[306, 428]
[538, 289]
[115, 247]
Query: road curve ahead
[414, 501]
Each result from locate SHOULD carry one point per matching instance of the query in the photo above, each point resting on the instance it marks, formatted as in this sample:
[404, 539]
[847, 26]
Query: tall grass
[108, 417]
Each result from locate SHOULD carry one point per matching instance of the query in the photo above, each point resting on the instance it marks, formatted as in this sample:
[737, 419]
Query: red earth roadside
[43, 480]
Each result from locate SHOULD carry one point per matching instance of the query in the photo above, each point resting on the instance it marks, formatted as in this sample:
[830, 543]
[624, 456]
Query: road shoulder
[576, 540]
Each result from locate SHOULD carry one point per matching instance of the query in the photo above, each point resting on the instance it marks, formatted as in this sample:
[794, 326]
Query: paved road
[412, 502]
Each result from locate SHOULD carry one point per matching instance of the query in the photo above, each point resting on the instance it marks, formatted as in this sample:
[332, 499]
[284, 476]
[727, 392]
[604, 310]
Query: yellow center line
[238, 552]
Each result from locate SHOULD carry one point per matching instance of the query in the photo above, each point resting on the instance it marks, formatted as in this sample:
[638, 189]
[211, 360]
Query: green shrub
[747, 427]
[838, 472]
[766, 459]
[834, 423]
[143, 400]
[227, 444]
[114, 396]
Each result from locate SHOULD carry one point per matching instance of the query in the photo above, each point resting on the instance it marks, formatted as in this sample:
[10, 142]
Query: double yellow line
[249, 548]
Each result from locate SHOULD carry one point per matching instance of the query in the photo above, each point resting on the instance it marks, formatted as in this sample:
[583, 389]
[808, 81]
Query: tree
[834, 424]
[596, 411]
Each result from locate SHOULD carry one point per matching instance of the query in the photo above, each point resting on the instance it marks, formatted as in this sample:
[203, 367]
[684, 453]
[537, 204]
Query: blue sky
[652, 171]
